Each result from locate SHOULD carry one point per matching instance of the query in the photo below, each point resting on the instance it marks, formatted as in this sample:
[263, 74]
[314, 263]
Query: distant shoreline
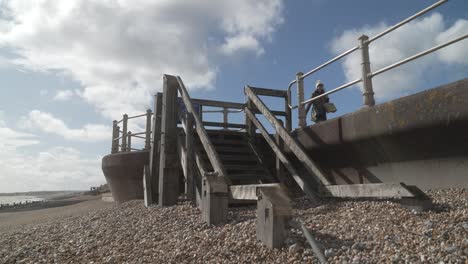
[50, 200]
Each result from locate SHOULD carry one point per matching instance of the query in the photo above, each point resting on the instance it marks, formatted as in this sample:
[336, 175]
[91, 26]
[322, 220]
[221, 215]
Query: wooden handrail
[202, 134]
[295, 147]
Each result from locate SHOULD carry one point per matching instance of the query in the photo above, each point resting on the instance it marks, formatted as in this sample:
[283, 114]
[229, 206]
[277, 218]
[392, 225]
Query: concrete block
[214, 199]
[273, 214]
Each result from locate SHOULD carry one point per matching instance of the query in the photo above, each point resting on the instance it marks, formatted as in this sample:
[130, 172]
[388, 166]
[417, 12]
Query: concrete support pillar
[169, 171]
[300, 98]
[214, 199]
[366, 70]
[273, 214]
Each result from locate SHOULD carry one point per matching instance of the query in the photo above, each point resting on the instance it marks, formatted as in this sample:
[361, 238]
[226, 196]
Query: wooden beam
[269, 92]
[302, 184]
[371, 190]
[169, 171]
[218, 103]
[274, 112]
[248, 192]
[219, 124]
[293, 145]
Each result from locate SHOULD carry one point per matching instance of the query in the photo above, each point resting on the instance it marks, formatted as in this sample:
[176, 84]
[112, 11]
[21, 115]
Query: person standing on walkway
[319, 112]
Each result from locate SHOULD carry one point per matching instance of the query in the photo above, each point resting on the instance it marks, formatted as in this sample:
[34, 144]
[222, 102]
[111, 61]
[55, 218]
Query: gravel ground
[351, 232]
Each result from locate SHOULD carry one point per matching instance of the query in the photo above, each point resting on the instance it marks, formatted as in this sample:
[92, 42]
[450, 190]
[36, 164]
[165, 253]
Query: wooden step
[243, 167]
[229, 149]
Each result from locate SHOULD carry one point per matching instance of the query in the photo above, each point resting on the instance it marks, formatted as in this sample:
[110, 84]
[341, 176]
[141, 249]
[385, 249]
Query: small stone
[358, 246]
[396, 258]
[451, 249]
[328, 252]
[465, 225]
[428, 224]
[294, 249]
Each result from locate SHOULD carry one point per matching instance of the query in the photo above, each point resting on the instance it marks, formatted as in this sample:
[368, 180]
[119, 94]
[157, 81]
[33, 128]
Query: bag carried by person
[329, 107]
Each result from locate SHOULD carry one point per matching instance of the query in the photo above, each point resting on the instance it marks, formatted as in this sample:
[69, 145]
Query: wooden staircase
[242, 163]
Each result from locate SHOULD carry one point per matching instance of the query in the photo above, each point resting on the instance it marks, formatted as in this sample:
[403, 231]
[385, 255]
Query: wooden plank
[293, 145]
[247, 192]
[218, 103]
[397, 190]
[189, 142]
[155, 151]
[302, 184]
[261, 162]
[269, 92]
[220, 124]
[202, 134]
[274, 112]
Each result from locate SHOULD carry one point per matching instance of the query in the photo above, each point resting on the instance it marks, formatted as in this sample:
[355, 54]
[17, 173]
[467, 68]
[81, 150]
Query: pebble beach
[349, 231]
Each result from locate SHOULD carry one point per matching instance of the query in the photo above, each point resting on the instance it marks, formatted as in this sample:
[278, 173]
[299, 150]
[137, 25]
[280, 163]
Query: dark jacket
[319, 109]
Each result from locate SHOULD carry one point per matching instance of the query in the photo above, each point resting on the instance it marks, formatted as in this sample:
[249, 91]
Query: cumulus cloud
[12, 139]
[57, 168]
[119, 50]
[63, 95]
[406, 41]
[48, 123]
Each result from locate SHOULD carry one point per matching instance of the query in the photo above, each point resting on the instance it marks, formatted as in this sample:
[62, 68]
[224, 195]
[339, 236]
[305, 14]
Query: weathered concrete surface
[420, 140]
[124, 174]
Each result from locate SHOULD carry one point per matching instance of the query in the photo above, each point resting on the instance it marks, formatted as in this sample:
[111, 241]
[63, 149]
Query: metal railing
[367, 74]
[123, 142]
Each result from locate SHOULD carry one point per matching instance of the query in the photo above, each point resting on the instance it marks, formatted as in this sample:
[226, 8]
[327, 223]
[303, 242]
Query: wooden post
[115, 135]
[148, 129]
[124, 132]
[214, 199]
[169, 160]
[249, 125]
[273, 214]
[129, 141]
[280, 170]
[189, 153]
[152, 189]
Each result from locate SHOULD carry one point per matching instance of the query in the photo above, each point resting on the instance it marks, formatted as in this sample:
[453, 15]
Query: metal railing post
[129, 141]
[148, 129]
[124, 132]
[288, 111]
[366, 71]
[225, 118]
[115, 140]
[300, 99]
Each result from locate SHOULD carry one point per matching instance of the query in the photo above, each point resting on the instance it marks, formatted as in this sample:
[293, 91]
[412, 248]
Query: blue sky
[67, 69]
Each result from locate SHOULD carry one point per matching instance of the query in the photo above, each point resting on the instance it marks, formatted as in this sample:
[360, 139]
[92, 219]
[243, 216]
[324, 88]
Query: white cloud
[119, 50]
[12, 139]
[57, 168]
[48, 123]
[63, 95]
[406, 41]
